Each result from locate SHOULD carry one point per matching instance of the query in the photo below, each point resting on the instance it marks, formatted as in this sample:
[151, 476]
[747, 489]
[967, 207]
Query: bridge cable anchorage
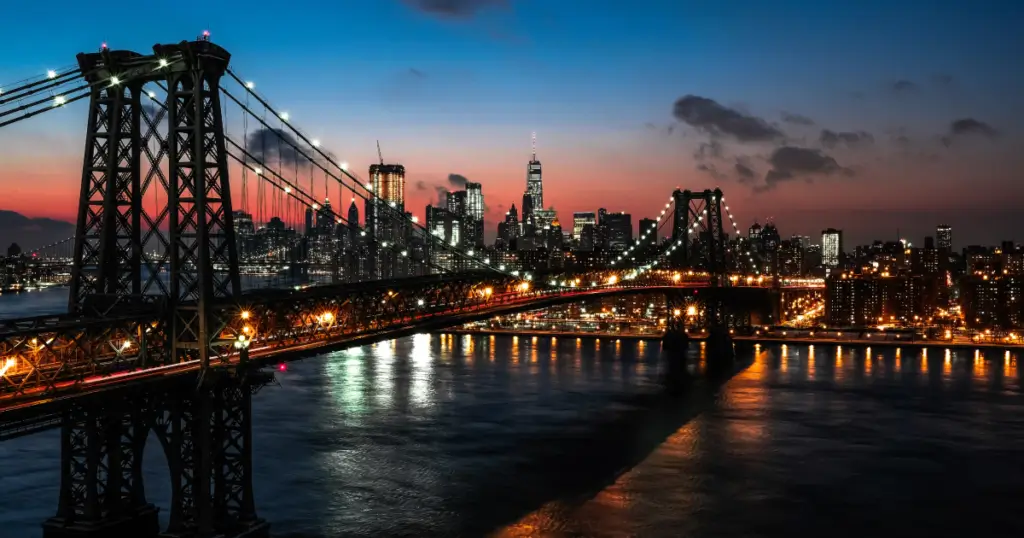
[653, 231]
[345, 173]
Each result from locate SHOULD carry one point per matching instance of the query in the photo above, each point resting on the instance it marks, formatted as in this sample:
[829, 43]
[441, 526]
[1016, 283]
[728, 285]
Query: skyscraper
[389, 182]
[474, 201]
[619, 227]
[579, 220]
[533, 199]
[325, 218]
[944, 236]
[831, 247]
[456, 202]
[474, 219]
[508, 231]
[309, 221]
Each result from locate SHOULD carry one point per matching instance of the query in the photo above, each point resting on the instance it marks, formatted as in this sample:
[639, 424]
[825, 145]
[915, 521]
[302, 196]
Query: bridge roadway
[305, 334]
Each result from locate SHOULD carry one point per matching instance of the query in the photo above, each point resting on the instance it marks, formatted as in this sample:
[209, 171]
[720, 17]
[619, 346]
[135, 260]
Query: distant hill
[31, 233]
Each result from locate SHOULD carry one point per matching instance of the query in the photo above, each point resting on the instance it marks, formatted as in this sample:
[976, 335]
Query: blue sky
[597, 80]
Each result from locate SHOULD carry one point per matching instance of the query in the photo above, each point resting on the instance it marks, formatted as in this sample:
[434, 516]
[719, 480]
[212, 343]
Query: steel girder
[108, 250]
[301, 318]
[101, 465]
[207, 438]
[202, 234]
[39, 356]
[700, 213]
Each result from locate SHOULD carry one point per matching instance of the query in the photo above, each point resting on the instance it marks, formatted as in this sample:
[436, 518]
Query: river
[442, 435]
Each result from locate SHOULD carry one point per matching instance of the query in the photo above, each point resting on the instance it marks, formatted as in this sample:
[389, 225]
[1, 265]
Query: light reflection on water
[456, 435]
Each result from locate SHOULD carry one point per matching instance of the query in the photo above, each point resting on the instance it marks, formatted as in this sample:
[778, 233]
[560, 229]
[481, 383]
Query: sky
[880, 118]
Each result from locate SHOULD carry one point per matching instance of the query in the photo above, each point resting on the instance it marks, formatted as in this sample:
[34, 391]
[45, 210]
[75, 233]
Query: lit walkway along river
[471, 436]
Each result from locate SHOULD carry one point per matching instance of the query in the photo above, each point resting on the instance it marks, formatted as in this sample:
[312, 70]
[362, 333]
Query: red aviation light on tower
[103, 46]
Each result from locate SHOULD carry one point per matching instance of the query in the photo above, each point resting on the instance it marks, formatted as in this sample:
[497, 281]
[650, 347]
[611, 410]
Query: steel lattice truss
[43, 355]
[700, 214]
[205, 434]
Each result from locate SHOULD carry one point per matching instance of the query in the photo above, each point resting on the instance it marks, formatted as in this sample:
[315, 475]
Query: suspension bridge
[164, 333]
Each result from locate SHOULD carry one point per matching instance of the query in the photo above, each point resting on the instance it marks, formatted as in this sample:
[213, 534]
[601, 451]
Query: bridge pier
[719, 349]
[675, 343]
[101, 487]
[206, 434]
[209, 449]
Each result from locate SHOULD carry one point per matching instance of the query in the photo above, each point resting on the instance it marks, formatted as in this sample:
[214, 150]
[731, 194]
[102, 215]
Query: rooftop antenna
[533, 144]
[379, 154]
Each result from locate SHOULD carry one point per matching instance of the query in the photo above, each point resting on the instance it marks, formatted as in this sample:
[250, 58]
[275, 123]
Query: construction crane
[379, 154]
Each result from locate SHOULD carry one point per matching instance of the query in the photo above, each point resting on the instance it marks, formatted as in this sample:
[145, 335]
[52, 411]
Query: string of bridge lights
[671, 248]
[295, 193]
[652, 230]
[343, 166]
[736, 229]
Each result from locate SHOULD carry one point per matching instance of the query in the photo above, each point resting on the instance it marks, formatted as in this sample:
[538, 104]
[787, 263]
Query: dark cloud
[712, 171]
[275, 146]
[708, 150]
[943, 80]
[831, 139]
[716, 119]
[417, 73]
[796, 119]
[969, 127]
[442, 196]
[790, 162]
[421, 185]
[460, 9]
[745, 172]
[457, 181]
[904, 86]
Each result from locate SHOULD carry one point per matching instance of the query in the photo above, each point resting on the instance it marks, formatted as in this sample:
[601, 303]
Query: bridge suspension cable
[64, 88]
[736, 229]
[353, 183]
[652, 231]
[48, 82]
[670, 248]
[290, 189]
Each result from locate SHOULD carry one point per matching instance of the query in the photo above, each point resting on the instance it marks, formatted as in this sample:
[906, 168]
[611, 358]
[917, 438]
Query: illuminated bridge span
[162, 335]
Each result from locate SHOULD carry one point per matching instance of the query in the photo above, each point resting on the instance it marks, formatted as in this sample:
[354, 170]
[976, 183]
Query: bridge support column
[719, 349]
[675, 343]
[101, 487]
[209, 434]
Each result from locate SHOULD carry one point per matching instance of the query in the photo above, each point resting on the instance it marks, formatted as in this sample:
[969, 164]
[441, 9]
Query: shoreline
[762, 340]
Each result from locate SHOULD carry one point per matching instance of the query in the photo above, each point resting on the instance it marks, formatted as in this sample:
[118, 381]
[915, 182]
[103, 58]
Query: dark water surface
[440, 435]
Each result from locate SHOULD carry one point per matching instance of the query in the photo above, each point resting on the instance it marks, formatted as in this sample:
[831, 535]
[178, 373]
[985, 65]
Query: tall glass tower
[533, 199]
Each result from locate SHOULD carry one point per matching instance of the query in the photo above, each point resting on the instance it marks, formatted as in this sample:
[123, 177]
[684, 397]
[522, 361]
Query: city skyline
[901, 132]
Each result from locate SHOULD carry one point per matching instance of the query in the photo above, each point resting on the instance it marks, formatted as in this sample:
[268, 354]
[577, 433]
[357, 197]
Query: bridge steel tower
[205, 430]
[108, 242]
[700, 213]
